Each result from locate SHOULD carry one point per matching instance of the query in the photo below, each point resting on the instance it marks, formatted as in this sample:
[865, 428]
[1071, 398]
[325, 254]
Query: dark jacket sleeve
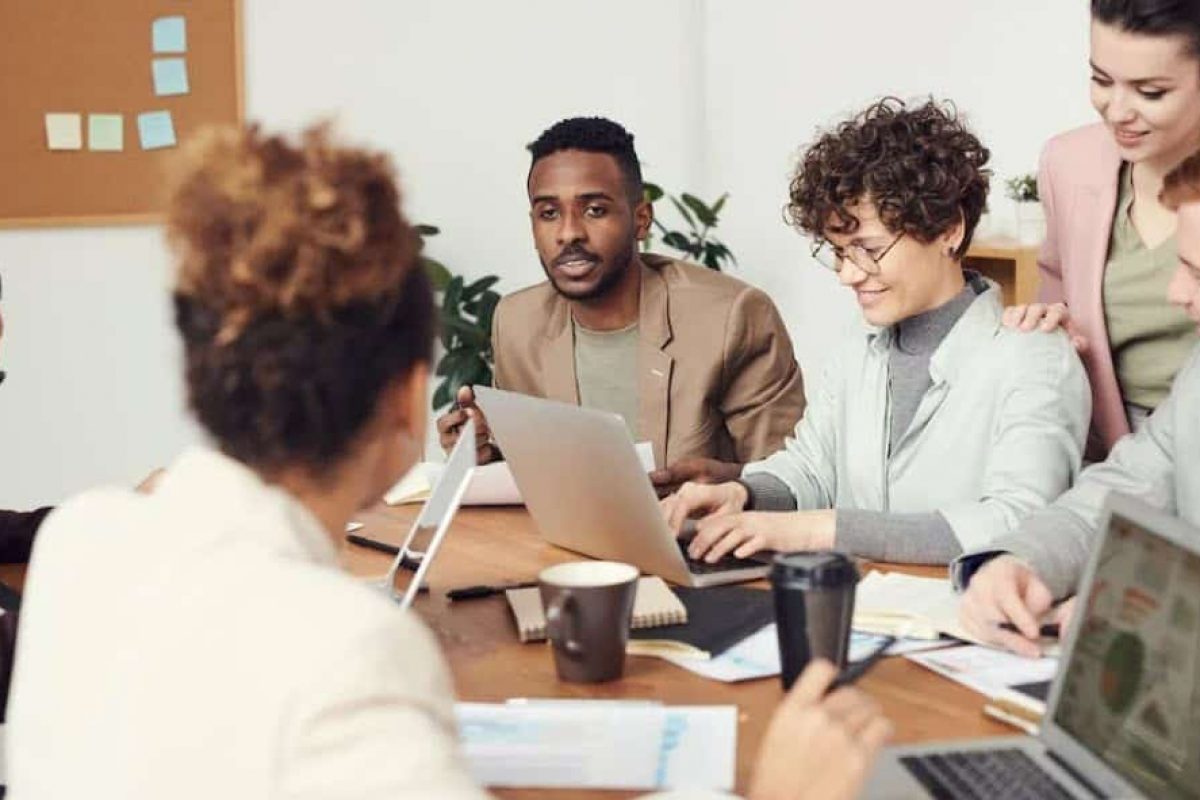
[17, 530]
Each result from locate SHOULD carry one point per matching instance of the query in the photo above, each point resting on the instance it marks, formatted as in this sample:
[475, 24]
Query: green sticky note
[170, 76]
[156, 130]
[64, 131]
[106, 132]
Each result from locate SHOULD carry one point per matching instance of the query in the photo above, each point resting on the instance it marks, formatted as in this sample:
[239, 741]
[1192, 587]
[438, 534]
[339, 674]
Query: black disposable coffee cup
[814, 604]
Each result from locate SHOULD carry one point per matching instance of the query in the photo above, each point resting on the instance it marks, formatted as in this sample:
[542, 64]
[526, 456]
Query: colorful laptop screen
[1130, 690]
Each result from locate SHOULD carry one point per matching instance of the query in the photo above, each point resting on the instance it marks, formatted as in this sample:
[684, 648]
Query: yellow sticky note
[64, 131]
[106, 132]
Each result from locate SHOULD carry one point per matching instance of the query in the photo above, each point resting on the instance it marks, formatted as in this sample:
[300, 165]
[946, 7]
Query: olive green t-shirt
[1150, 338]
[606, 371]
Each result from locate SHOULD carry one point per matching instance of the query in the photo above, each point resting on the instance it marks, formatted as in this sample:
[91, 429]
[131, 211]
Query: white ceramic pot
[1031, 223]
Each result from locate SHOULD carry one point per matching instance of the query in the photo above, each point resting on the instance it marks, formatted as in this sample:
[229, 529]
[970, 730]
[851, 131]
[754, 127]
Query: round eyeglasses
[832, 257]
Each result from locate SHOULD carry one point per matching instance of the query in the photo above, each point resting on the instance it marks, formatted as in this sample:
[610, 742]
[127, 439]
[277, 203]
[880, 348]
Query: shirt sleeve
[1050, 288]
[918, 538]
[763, 388]
[1036, 446]
[807, 464]
[1057, 541]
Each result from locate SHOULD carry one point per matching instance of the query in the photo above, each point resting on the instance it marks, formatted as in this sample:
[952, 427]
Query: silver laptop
[581, 479]
[430, 526]
[1123, 717]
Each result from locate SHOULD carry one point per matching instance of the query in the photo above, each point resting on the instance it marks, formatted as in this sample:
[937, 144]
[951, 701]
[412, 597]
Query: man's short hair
[592, 135]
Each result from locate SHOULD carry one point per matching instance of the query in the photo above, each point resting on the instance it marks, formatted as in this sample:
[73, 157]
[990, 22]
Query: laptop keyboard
[724, 564]
[1008, 773]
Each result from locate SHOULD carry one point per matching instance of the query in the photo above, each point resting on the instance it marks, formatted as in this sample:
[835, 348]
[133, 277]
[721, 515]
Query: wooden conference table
[480, 643]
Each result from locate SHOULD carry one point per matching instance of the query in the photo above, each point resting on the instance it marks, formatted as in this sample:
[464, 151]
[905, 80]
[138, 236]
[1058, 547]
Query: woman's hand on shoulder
[1045, 317]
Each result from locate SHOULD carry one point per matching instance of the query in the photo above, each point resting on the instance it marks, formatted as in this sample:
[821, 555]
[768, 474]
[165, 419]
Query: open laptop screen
[1130, 691]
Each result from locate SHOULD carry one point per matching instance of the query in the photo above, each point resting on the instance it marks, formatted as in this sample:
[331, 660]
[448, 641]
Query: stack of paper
[987, 670]
[491, 485]
[599, 744]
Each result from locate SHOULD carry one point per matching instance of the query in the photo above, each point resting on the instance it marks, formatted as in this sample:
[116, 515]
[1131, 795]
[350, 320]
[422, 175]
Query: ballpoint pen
[485, 590]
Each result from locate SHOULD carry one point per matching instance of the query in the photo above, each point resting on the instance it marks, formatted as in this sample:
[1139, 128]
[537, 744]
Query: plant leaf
[479, 286]
[441, 397]
[453, 295]
[437, 273]
[487, 310]
[683, 212]
[678, 241]
[651, 191]
[468, 333]
[717, 206]
[427, 230]
[703, 213]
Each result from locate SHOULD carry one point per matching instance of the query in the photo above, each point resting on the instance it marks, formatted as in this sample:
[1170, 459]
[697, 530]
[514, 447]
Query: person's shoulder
[686, 276]
[1024, 353]
[538, 295]
[109, 512]
[1087, 144]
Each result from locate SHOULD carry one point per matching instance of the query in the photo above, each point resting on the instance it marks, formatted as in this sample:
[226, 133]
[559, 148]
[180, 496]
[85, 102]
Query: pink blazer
[1077, 183]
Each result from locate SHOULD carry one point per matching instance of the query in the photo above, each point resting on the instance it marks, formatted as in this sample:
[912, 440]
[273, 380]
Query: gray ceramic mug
[589, 605]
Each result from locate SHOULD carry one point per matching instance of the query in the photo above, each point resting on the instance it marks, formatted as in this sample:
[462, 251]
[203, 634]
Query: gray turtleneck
[923, 537]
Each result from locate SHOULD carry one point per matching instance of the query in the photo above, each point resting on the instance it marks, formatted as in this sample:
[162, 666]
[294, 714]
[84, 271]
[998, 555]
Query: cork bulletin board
[95, 95]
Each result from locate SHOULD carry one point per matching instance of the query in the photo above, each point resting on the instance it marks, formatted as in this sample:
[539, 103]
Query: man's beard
[611, 277]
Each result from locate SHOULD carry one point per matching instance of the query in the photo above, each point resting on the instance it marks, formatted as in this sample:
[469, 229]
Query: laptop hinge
[1074, 773]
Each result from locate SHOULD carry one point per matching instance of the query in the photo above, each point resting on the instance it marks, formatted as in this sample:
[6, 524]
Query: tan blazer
[1077, 184]
[716, 375]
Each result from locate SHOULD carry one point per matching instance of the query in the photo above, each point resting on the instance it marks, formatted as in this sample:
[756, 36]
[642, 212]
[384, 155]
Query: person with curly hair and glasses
[934, 429]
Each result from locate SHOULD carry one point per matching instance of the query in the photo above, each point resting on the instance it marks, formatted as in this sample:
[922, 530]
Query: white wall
[719, 95]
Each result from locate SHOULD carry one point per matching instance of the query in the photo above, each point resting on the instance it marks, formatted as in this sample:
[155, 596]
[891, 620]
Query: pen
[483, 590]
[857, 669]
[1046, 631]
[407, 562]
[372, 544]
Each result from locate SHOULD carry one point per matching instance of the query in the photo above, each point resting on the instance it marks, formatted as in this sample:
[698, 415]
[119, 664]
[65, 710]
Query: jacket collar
[654, 364]
[977, 325]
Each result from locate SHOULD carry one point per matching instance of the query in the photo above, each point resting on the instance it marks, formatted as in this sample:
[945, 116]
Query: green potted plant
[1031, 220]
[465, 312]
[697, 242]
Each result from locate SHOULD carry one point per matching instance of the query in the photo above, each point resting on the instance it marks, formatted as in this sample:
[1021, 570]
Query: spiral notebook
[654, 605]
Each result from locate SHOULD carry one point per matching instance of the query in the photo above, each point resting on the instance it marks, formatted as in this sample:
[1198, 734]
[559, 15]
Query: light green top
[606, 371]
[1150, 338]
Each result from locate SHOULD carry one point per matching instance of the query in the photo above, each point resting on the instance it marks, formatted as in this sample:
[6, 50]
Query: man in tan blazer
[698, 363]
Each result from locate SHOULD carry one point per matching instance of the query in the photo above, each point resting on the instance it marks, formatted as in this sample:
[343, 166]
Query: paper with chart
[599, 744]
[985, 669]
[492, 484]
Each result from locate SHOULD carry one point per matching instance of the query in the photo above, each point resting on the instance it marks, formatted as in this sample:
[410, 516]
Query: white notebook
[655, 605]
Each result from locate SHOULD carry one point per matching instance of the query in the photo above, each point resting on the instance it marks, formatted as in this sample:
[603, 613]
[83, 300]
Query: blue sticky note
[169, 35]
[156, 130]
[170, 76]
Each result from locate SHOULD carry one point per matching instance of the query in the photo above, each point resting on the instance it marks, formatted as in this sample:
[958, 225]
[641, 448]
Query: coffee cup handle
[560, 614]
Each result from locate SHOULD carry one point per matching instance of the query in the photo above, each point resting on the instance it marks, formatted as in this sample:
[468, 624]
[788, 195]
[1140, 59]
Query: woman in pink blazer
[1145, 84]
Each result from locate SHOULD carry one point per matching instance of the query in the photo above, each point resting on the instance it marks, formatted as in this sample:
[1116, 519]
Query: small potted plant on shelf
[1031, 220]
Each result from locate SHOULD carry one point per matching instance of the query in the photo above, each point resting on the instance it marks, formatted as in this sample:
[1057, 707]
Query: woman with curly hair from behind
[934, 429]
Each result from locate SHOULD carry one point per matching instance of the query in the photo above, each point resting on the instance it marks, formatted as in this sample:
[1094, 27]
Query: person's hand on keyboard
[818, 745]
[745, 533]
[695, 500]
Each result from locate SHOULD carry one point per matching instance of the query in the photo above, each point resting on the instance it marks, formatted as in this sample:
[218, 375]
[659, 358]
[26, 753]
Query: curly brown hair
[920, 167]
[299, 294]
[1182, 184]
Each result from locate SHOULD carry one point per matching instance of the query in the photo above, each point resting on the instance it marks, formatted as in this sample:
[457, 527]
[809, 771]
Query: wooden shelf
[1009, 263]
